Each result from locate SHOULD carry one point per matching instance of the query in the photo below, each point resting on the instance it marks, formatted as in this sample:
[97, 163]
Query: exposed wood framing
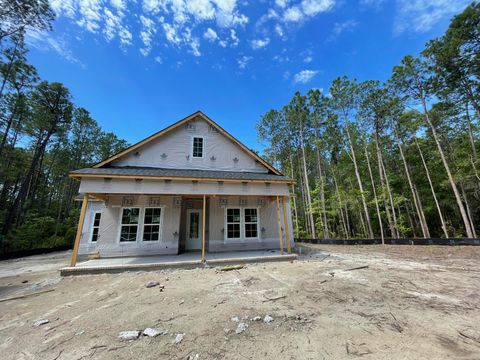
[279, 221]
[287, 230]
[73, 260]
[204, 213]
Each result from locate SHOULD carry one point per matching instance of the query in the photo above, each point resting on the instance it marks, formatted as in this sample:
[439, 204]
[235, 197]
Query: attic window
[197, 147]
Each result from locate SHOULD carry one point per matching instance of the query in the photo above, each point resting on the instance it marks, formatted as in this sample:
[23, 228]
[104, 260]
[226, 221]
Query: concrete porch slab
[181, 261]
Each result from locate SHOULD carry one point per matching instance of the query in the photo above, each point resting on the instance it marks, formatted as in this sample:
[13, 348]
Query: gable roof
[197, 114]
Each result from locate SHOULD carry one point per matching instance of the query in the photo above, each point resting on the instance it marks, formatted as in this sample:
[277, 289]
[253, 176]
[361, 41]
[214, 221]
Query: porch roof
[186, 174]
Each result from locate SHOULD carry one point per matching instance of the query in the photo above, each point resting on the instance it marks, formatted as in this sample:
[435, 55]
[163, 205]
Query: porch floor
[185, 260]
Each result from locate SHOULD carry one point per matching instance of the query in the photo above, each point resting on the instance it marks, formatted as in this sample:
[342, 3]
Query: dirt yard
[339, 302]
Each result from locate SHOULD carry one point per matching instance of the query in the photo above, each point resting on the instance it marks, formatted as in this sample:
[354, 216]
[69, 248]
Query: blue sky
[139, 65]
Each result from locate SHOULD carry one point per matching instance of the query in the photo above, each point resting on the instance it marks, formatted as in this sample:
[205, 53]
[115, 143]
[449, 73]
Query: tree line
[388, 160]
[43, 135]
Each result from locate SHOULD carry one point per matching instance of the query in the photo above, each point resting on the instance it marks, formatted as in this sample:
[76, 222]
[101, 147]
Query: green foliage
[429, 107]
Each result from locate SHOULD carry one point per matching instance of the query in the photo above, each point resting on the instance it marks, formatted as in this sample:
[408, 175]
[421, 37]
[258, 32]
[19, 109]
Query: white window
[233, 223]
[241, 223]
[197, 147]
[250, 222]
[129, 225]
[151, 224]
[95, 226]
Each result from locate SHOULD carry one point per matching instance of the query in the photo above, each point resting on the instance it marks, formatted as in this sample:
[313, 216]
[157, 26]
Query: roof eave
[78, 176]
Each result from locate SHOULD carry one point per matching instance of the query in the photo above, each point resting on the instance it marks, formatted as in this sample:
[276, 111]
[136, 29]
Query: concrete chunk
[129, 335]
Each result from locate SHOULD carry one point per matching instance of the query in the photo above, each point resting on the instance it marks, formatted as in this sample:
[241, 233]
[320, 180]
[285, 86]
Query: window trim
[242, 237]
[257, 222]
[203, 147]
[226, 238]
[90, 235]
[120, 224]
[160, 225]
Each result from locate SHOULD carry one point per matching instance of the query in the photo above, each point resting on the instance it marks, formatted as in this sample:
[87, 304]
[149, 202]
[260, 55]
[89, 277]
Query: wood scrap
[231, 267]
[275, 298]
[357, 268]
[26, 295]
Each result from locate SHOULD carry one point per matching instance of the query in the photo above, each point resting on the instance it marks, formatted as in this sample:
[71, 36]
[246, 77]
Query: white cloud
[146, 34]
[307, 9]
[44, 41]
[304, 76]
[422, 15]
[210, 35]
[339, 28]
[158, 59]
[243, 61]
[234, 37]
[259, 43]
[281, 3]
[119, 4]
[292, 14]
[176, 20]
[279, 30]
[313, 7]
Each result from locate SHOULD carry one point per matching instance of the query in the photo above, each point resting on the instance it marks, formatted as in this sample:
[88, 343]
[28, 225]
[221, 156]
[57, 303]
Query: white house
[190, 187]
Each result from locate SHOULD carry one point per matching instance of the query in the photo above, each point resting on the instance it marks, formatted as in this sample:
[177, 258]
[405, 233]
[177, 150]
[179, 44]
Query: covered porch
[191, 230]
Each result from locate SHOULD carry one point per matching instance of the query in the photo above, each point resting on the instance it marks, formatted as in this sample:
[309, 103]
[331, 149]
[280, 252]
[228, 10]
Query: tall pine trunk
[444, 226]
[360, 185]
[416, 199]
[375, 196]
[451, 180]
[307, 185]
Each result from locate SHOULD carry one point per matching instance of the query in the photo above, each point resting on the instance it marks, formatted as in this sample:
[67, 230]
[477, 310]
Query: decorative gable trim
[180, 123]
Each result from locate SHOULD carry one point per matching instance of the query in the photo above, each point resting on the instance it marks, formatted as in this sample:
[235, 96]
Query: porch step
[154, 266]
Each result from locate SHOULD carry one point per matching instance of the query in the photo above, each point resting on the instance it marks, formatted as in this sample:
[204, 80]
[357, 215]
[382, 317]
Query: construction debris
[40, 322]
[151, 284]
[129, 335]
[267, 319]
[153, 332]
[231, 267]
[179, 338]
[242, 327]
[257, 318]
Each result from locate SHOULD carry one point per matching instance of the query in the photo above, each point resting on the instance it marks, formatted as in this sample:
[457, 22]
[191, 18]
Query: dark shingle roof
[178, 173]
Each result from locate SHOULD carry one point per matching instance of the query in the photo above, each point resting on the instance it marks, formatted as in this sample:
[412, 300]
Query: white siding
[108, 244]
[173, 150]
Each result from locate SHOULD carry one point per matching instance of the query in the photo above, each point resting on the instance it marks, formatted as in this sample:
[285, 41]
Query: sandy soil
[409, 303]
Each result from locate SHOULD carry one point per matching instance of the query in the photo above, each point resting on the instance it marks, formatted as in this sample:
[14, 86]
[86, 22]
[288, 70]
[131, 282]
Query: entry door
[194, 229]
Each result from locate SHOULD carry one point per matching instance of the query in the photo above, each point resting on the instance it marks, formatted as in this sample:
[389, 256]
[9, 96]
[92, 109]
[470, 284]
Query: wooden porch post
[287, 230]
[203, 227]
[280, 235]
[73, 260]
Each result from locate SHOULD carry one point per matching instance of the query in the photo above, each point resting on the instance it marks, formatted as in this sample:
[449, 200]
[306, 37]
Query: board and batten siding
[174, 151]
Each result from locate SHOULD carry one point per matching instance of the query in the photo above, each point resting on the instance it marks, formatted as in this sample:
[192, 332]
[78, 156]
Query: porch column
[204, 213]
[73, 260]
[285, 220]
[279, 221]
